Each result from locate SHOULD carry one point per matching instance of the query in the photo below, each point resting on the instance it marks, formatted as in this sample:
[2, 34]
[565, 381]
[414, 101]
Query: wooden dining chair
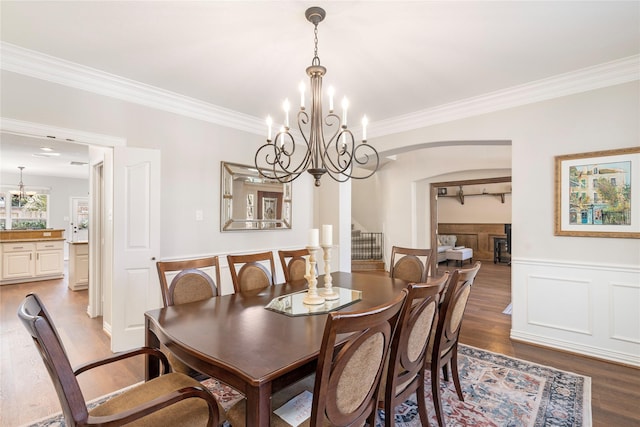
[188, 285]
[248, 271]
[464, 274]
[444, 352]
[172, 399]
[192, 282]
[347, 379]
[294, 264]
[410, 264]
[405, 374]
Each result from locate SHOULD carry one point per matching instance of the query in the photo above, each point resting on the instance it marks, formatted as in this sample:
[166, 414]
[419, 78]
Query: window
[32, 212]
[595, 197]
[613, 182]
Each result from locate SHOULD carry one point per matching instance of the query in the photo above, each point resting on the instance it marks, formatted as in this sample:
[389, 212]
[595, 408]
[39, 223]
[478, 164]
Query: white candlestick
[328, 292]
[314, 237]
[312, 296]
[327, 235]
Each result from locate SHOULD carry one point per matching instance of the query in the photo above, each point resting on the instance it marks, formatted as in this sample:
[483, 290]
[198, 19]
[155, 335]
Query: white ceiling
[391, 58]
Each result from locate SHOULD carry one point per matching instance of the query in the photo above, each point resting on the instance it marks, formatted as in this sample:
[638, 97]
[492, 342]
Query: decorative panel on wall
[583, 308]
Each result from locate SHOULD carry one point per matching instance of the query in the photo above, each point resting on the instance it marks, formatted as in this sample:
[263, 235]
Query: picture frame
[597, 194]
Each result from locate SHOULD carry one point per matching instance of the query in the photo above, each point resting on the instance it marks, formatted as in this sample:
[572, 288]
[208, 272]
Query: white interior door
[79, 219]
[136, 233]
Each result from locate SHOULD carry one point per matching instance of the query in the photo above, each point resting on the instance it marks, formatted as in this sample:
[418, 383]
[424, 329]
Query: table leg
[152, 364]
[258, 405]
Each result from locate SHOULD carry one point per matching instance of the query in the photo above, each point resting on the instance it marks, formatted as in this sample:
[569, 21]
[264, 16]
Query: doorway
[435, 186]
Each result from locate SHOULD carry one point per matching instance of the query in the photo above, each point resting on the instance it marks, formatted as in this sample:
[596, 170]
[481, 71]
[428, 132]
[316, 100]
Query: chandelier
[22, 194]
[336, 154]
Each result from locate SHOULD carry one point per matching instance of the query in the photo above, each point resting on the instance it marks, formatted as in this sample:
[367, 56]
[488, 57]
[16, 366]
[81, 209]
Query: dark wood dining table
[255, 350]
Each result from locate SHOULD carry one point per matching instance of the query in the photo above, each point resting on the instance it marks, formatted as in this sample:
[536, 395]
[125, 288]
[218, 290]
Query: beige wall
[577, 293]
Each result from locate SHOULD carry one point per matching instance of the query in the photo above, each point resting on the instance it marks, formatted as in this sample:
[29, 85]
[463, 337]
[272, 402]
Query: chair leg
[422, 402]
[389, 414]
[454, 374]
[445, 371]
[435, 391]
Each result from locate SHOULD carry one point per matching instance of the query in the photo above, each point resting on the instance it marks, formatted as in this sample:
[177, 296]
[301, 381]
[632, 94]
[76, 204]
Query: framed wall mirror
[250, 201]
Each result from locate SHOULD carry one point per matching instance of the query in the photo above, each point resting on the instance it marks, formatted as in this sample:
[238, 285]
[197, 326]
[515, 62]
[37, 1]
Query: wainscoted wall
[589, 309]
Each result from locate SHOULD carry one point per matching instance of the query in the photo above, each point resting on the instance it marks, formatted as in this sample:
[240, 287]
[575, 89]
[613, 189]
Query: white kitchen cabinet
[18, 260]
[49, 258]
[28, 258]
[78, 265]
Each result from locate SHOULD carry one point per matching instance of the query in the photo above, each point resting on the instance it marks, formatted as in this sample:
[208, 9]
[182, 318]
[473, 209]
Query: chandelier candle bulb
[269, 123]
[314, 238]
[345, 106]
[327, 235]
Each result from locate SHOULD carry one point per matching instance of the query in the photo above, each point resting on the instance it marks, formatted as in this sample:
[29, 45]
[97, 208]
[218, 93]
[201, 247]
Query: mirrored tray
[292, 305]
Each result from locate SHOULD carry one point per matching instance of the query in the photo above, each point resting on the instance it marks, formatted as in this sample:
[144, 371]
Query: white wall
[485, 209]
[604, 273]
[191, 152]
[580, 294]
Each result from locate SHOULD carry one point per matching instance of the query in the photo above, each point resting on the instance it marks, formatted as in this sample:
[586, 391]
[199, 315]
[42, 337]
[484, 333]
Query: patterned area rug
[498, 391]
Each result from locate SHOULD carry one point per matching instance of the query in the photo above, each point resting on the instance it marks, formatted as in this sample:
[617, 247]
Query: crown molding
[45, 67]
[38, 130]
[599, 76]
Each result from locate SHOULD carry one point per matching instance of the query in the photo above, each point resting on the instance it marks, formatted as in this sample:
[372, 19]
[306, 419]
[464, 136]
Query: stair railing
[367, 246]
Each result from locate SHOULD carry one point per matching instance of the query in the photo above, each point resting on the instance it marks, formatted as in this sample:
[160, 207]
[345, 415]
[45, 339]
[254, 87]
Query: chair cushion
[189, 412]
[253, 276]
[192, 285]
[409, 268]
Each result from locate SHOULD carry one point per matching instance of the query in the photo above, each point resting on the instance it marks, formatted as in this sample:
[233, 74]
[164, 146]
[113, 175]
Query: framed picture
[598, 194]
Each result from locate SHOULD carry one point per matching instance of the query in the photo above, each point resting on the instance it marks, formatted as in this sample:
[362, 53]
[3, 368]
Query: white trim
[608, 74]
[577, 265]
[557, 344]
[45, 67]
[38, 130]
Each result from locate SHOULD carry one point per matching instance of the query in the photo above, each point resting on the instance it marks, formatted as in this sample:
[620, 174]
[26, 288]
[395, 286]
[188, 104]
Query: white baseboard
[598, 353]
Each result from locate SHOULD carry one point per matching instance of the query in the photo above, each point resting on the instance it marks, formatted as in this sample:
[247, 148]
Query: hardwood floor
[26, 390]
[27, 394]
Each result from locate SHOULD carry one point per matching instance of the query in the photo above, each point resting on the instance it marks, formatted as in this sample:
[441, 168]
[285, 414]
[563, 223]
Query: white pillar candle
[314, 237]
[327, 235]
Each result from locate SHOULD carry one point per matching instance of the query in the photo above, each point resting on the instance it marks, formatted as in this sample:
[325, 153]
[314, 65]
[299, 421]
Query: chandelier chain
[316, 59]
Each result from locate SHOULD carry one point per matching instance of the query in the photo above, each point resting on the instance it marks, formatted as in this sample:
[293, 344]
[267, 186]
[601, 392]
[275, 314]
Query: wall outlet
[199, 215]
